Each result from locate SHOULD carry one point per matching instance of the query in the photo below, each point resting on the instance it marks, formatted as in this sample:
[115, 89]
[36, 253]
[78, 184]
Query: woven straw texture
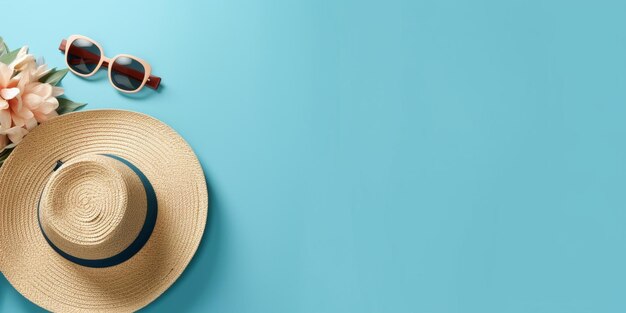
[93, 207]
[58, 285]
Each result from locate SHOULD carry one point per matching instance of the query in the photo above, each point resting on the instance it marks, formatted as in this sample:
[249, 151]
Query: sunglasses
[127, 73]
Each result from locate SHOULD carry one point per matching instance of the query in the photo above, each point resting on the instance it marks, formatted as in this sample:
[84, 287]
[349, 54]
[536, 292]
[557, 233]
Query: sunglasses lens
[83, 56]
[127, 73]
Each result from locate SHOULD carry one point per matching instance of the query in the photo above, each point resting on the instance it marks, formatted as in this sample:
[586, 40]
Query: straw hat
[100, 211]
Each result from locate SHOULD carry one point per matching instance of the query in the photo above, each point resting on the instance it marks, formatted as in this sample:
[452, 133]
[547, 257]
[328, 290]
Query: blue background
[391, 156]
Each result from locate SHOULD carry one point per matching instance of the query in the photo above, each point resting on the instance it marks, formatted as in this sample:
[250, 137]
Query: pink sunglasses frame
[147, 78]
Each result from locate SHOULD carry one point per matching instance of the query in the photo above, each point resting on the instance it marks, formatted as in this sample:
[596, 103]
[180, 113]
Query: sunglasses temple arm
[153, 81]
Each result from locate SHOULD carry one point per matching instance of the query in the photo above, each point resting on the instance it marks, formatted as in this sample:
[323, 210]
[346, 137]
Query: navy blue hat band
[136, 245]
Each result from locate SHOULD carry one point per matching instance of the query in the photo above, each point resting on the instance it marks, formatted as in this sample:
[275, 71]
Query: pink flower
[8, 95]
[24, 101]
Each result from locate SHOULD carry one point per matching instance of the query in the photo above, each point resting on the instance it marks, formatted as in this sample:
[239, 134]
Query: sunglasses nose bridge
[137, 72]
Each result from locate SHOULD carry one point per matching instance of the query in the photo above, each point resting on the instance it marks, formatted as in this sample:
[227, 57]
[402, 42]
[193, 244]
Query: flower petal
[41, 71]
[49, 105]
[5, 119]
[23, 61]
[17, 120]
[9, 93]
[16, 104]
[32, 101]
[31, 123]
[23, 51]
[4, 141]
[5, 75]
[15, 134]
[44, 117]
[43, 90]
[23, 112]
[57, 91]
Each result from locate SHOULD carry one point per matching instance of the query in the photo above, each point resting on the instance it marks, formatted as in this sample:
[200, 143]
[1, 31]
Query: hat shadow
[194, 283]
[25, 305]
[198, 278]
[4, 285]
[3, 288]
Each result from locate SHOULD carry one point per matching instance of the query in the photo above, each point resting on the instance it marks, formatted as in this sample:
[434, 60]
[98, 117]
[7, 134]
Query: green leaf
[4, 155]
[67, 106]
[9, 57]
[3, 47]
[54, 77]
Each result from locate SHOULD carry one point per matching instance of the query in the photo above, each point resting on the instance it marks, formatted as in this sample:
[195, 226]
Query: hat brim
[57, 284]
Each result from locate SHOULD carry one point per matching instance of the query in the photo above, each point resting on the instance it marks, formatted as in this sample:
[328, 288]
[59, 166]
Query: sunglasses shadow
[98, 76]
[144, 93]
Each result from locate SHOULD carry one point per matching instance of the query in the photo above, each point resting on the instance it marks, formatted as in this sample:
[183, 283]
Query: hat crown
[92, 207]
